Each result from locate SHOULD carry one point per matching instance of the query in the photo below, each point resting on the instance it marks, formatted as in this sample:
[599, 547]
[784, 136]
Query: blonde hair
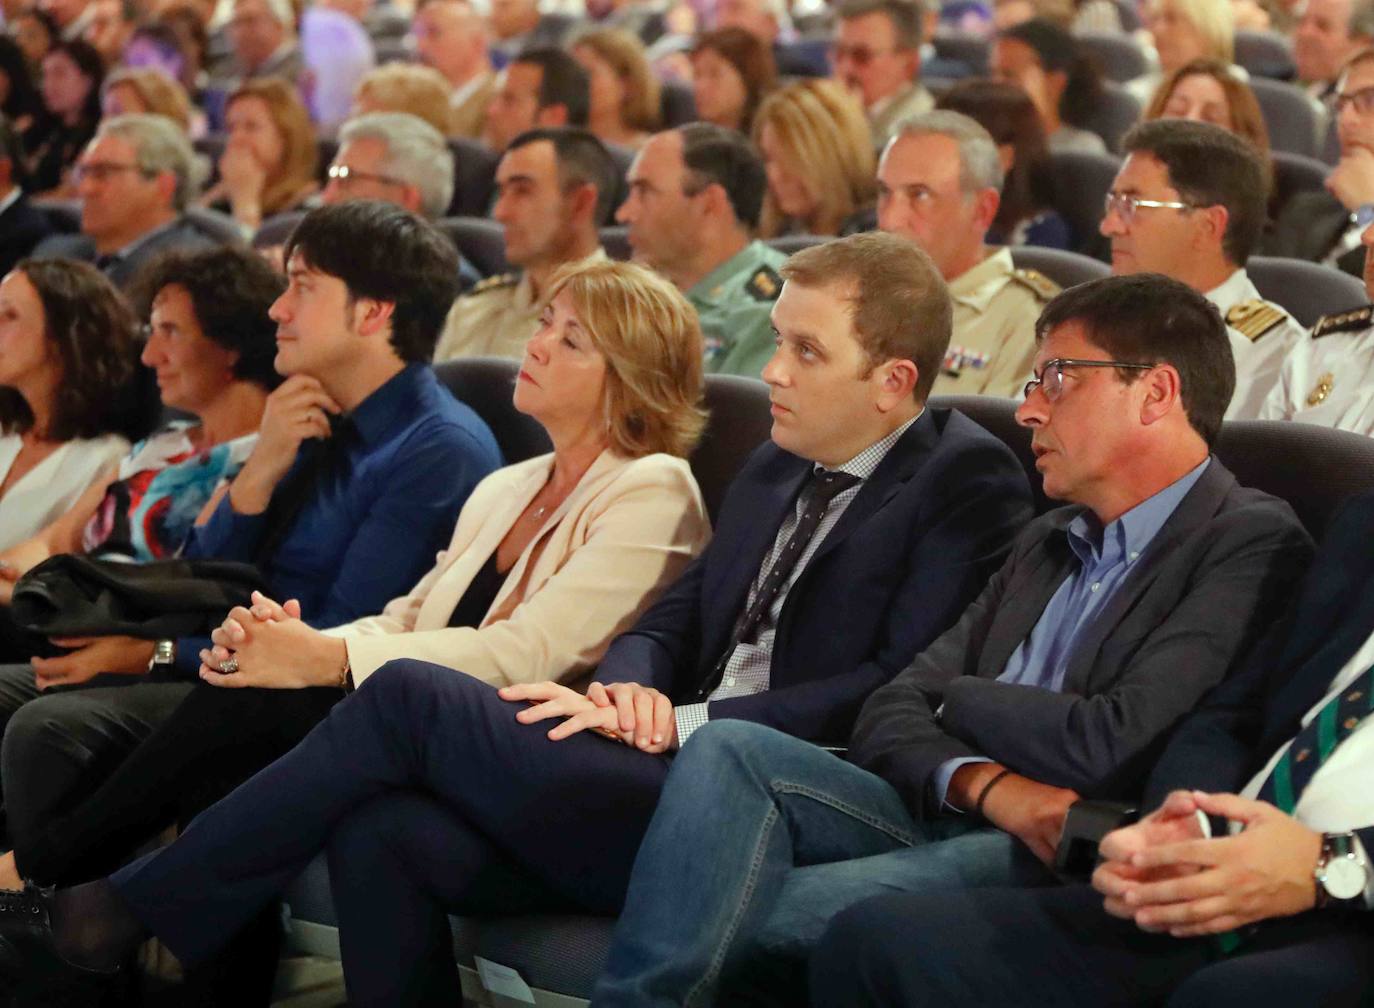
[160, 94]
[299, 151]
[624, 53]
[404, 87]
[651, 339]
[1214, 20]
[825, 139]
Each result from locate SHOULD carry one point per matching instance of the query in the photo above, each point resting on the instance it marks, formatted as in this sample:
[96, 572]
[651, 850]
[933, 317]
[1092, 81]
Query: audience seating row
[560, 955]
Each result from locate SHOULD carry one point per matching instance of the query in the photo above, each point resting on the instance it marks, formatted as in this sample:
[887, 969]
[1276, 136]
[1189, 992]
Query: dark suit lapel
[1197, 507]
[901, 463]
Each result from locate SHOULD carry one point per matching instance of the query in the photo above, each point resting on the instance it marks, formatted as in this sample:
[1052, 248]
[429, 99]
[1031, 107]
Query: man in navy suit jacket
[1291, 892]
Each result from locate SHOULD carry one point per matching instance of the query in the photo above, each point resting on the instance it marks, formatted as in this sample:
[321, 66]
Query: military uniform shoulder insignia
[765, 284]
[1043, 286]
[493, 282]
[1351, 321]
[1252, 319]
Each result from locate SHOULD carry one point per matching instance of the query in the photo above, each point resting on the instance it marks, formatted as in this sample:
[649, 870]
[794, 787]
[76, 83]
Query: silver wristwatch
[1341, 874]
[164, 654]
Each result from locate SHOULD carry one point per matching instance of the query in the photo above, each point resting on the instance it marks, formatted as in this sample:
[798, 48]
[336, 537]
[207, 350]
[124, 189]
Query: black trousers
[1056, 947]
[77, 827]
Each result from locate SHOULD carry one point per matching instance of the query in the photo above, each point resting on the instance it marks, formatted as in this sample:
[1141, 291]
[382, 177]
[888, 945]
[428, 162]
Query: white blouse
[49, 489]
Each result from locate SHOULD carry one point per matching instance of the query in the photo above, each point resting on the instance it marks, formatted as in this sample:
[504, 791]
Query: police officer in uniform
[553, 186]
[695, 197]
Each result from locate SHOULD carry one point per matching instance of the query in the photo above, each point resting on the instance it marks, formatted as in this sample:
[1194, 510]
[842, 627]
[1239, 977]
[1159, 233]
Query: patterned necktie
[1311, 748]
[1314, 744]
[823, 487]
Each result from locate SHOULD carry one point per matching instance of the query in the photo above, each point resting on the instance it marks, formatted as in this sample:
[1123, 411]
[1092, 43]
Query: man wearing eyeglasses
[1111, 619]
[1324, 226]
[876, 54]
[397, 158]
[1189, 202]
[133, 182]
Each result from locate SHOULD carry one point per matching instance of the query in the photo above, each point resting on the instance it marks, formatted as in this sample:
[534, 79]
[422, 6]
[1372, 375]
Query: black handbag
[77, 596]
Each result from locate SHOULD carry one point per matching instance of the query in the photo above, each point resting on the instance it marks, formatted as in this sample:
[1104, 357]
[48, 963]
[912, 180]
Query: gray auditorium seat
[1293, 174]
[480, 239]
[1291, 118]
[276, 229]
[787, 244]
[970, 50]
[474, 177]
[1308, 290]
[1115, 113]
[1265, 54]
[1067, 269]
[615, 239]
[1120, 56]
[1080, 184]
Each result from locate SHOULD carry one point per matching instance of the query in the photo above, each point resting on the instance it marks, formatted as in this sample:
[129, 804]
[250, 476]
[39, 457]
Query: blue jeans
[759, 839]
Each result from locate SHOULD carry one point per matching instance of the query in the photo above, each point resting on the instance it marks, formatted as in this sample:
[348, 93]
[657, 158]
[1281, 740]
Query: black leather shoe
[28, 956]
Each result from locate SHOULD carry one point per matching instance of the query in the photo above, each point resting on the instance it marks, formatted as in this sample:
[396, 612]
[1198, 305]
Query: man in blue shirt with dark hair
[361, 467]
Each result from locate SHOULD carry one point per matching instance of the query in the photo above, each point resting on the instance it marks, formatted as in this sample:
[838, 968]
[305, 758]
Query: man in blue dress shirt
[1109, 621]
[362, 463]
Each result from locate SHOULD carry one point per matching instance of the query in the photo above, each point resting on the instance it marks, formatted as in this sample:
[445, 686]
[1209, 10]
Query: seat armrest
[1087, 822]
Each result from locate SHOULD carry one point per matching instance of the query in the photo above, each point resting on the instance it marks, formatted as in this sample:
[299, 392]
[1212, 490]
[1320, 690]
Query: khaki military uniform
[735, 304]
[886, 113]
[1262, 335]
[993, 345]
[494, 319]
[469, 107]
[1328, 379]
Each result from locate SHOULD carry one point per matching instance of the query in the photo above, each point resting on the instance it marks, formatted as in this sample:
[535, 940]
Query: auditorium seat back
[1067, 269]
[1308, 290]
[1290, 116]
[739, 419]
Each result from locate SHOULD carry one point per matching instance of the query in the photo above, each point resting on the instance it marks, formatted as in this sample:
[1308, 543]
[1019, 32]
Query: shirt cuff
[945, 773]
[689, 718]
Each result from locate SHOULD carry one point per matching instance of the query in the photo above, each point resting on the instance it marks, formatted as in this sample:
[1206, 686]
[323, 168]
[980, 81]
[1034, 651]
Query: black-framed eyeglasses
[1363, 100]
[343, 173]
[1050, 380]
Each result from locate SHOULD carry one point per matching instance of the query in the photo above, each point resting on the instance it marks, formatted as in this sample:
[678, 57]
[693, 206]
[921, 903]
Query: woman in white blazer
[550, 560]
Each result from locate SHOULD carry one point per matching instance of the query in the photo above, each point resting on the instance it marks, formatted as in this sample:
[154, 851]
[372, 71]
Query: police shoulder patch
[493, 282]
[765, 284]
[1351, 321]
[1043, 286]
[1252, 319]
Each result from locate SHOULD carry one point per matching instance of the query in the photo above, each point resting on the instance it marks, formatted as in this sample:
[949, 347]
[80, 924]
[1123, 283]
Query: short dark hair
[715, 155]
[95, 336]
[231, 290]
[22, 99]
[905, 16]
[1211, 166]
[1059, 52]
[383, 252]
[562, 81]
[1147, 318]
[582, 160]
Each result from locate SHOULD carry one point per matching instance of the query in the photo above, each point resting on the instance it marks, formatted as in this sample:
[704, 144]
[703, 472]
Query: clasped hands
[638, 716]
[273, 648]
[1167, 875]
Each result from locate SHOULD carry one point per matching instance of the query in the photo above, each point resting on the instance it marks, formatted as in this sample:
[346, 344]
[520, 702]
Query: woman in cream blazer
[624, 533]
[550, 560]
